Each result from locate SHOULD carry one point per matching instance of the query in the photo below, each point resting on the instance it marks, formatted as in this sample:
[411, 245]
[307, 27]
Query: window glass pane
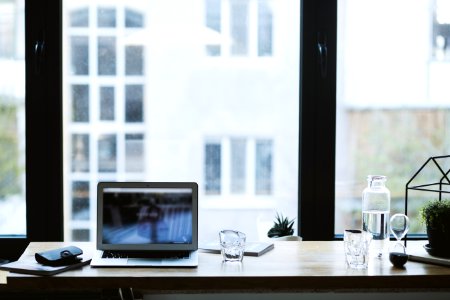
[106, 17]
[80, 200]
[107, 153]
[134, 102]
[263, 167]
[212, 168]
[392, 106]
[79, 55]
[182, 115]
[12, 119]
[239, 27]
[134, 153]
[107, 103]
[79, 17]
[238, 165]
[134, 60]
[133, 18]
[80, 153]
[80, 99]
[213, 14]
[265, 25]
[106, 55]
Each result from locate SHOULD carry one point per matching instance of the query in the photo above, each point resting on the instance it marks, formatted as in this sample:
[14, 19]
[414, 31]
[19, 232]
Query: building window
[134, 153]
[241, 27]
[107, 153]
[134, 103]
[239, 158]
[79, 55]
[441, 30]
[80, 153]
[106, 55]
[238, 165]
[265, 25]
[212, 168]
[80, 106]
[107, 103]
[106, 17]
[80, 200]
[79, 17]
[134, 60]
[263, 167]
[133, 19]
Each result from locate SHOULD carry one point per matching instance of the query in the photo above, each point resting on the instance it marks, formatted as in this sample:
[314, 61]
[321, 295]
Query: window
[441, 30]
[107, 103]
[213, 168]
[106, 55]
[239, 27]
[12, 120]
[153, 108]
[246, 164]
[392, 111]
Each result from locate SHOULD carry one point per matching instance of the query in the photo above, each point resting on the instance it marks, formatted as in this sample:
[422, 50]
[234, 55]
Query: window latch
[323, 54]
[39, 51]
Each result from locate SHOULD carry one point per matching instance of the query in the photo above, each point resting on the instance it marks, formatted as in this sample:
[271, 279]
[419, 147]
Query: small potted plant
[436, 216]
[282, 227]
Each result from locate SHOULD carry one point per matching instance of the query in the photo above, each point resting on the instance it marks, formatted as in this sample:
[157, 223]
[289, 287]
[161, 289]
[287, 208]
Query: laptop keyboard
[146, 254]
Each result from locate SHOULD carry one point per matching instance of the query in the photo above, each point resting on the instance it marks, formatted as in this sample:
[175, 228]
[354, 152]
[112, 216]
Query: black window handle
[39, 51]
[322, 49]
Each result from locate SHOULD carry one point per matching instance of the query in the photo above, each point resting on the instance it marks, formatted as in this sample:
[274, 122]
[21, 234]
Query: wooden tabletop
[290, 267]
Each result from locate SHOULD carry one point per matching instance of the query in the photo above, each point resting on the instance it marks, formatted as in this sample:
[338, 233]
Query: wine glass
[399, 227]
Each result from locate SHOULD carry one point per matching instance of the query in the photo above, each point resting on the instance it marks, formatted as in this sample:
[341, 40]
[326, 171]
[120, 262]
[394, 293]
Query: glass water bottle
[376, 201]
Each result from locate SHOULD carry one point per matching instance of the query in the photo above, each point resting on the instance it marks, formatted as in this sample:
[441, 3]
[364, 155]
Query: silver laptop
[152, 224]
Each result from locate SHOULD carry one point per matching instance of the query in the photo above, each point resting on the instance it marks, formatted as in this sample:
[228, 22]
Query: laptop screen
[147, 216]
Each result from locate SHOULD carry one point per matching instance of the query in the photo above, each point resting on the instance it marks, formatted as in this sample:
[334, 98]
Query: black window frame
[44, 126]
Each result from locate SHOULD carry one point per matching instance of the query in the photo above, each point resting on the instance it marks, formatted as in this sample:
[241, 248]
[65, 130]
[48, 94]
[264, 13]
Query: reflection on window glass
[134, 153]
[80, 55]
[265, 24]
[263, 169]
[133, 103]
[106, 55]
[12, 118]
[107, 153]
[107, 103]
[80, 153]
[79, 17]
[212, 168]
[80, 200]
[134, 60]
[106, 17]
[238, 165]
[80, 103]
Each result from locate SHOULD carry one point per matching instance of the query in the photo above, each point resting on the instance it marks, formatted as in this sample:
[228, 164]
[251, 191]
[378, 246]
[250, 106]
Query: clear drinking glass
[356, 246]
[232, 245]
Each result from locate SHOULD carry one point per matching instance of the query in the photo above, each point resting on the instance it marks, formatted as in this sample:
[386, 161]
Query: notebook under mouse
[152, 224]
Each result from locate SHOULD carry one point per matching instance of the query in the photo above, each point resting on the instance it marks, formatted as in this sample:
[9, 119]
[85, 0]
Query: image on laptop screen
[146, 215]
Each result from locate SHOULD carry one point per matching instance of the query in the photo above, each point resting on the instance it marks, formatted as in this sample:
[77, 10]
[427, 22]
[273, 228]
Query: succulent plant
[282, 227]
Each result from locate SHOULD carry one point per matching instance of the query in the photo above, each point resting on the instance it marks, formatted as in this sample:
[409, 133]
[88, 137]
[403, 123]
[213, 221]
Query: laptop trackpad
[144, 261]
